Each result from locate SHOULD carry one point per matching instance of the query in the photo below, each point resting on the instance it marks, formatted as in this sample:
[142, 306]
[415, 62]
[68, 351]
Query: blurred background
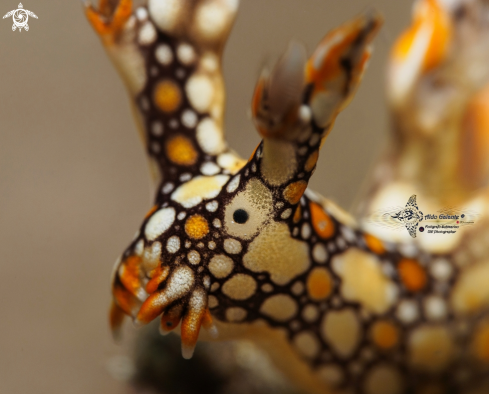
[74, 184]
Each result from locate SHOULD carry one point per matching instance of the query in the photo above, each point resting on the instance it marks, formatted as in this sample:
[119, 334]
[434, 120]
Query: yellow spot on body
[471, 291]
[331, 374]
[221, 266]
[319, 284]
[310, 313]
[239, 287]
[236, 314]
[294, 191]
[413, 276]
[307, 344]
[280, 307]
[480, 343]
[385, 334]
[322, 223]
[341, 330]
[276, 252]
[297, 288]
[180, 150]
[212, 302]
[364, 281]
[383, 379]
[374, 244]
[196, 227]
[167, 96]
[430, 348]
[311, 161]
[199, 188]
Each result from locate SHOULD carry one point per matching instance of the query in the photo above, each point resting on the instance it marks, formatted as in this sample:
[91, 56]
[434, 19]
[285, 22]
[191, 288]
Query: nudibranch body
[244, 249]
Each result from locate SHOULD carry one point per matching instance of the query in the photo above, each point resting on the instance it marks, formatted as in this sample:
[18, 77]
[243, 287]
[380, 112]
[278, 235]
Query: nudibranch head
[222, 226]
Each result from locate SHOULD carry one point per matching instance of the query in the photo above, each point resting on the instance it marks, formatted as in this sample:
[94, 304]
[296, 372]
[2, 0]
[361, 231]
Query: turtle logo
[410, 216]
[20, 18]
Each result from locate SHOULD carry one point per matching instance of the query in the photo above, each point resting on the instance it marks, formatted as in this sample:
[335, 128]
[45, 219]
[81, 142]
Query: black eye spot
[169, 323]
[240, 216]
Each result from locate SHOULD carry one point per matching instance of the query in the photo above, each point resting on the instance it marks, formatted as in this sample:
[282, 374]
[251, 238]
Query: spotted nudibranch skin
[233, 243]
